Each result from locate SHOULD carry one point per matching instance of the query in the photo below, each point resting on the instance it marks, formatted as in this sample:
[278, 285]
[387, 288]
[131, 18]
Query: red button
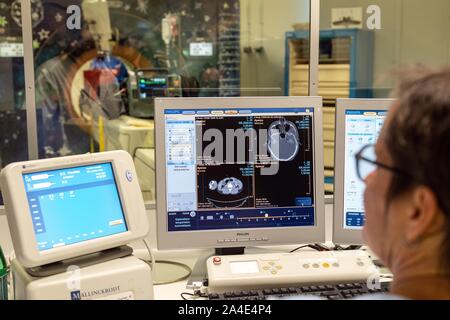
[217, 260]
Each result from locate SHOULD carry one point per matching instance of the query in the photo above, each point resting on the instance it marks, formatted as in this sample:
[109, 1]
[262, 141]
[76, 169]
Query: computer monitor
[237, 172]
[72, 206]
[358, 122]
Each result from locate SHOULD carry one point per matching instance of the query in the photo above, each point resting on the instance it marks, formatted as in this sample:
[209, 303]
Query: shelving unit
[229, 52]
[345, 71]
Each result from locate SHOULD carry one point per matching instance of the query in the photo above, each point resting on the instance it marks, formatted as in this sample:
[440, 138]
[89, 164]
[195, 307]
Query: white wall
[264, 23]
[412, 31]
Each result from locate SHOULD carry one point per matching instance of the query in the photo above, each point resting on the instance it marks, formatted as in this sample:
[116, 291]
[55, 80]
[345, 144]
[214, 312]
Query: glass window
[100, 63]
[270, 31]
[99, 67]
[363, 43]
[13, 129]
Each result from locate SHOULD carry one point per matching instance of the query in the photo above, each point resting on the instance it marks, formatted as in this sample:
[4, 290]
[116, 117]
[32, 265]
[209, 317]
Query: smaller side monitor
[67, 207]
[358, 123]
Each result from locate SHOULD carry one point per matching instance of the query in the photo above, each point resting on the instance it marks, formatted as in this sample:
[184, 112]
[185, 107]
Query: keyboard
[330, 292]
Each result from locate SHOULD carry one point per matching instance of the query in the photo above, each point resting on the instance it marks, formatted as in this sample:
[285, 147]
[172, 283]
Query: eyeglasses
[366, 163]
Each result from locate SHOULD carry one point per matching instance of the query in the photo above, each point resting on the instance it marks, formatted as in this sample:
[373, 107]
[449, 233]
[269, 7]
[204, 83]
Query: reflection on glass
[359, 61]
[96, 85]
[13, 130]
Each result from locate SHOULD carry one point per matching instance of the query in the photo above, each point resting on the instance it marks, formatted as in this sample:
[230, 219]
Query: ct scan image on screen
[236, 169]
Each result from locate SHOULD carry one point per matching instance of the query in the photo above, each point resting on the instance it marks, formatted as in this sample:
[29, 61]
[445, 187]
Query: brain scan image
[213, 185]
[283, 140]
[230, 186]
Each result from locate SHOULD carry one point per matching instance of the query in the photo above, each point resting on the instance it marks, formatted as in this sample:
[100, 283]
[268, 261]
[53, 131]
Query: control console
[272, 270]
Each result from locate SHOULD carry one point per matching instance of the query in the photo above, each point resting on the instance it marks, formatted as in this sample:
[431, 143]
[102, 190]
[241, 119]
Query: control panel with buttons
[272, 270]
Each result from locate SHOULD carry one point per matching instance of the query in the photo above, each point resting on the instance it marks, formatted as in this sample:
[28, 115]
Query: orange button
[325, 265]
[217, 260]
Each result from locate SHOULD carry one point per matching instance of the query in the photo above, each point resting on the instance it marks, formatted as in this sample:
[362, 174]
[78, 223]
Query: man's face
[383, 227]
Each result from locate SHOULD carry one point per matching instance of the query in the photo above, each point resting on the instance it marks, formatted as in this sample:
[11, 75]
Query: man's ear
[422, 218]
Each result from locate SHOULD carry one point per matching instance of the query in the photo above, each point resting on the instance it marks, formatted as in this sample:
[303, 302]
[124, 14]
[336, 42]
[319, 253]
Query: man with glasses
[407, 196]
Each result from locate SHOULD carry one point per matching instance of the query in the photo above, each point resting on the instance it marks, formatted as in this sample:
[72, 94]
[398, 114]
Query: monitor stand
[199, 272]
[81, 262]
[350, 247]
[229, 251]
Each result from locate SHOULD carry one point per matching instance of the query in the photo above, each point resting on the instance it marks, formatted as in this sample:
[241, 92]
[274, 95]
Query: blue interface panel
[361, 128]
[219, 168]
[73, 205]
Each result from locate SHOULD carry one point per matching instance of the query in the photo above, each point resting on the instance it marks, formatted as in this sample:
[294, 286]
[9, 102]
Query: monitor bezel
[20, 221]
[340, 234]
[210, 239]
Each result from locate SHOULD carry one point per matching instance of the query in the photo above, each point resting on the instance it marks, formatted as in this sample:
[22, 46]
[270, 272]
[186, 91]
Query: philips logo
[241, 234]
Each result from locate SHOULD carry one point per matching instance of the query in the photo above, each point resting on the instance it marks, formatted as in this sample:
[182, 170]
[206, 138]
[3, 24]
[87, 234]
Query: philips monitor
[68, 207]
[237, 172]
[358, 123]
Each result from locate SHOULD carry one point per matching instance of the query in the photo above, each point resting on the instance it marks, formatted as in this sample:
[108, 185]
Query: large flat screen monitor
[67, 207]
[237, 172]
[358, 123]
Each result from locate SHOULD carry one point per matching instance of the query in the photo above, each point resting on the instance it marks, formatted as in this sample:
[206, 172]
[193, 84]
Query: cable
[315, 246]
[301, 247]
[152, 262]
[320, 247]
[186, 293]
[184, 266]
[152, 257]
[196, 294]
[351, 247]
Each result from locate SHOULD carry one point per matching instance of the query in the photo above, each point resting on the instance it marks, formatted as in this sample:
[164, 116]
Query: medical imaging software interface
[235, 169]
[73, 205]
[361, 128]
